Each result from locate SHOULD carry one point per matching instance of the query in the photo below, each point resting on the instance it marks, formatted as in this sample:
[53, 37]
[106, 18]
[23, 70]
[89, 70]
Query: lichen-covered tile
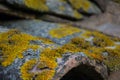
[85, 6]
[50, 6]
[36, 48]
[58, 33]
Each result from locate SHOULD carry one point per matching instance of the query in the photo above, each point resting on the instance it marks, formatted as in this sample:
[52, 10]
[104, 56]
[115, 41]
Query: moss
[78, 4]
[12, 44]
[63, 31]
[36, 4]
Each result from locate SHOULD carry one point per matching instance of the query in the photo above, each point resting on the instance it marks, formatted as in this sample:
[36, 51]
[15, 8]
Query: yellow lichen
[78, 4]
[86, 34]
[99, 39]
[102, 40]
[116, 39]
[113, 59]
[77, 15]
[36, 4]
[49, 53]
[49, 56]
[27, 74]
[69, 48]
[113, 63]
[12, 44]
[48, 62]
[81, 43]
[96, 53]
[63, 31]
[45, 40]
[45, 75]
[47, 59]
[25, 70]
[114, 52]
[75, 45]
[62, 8]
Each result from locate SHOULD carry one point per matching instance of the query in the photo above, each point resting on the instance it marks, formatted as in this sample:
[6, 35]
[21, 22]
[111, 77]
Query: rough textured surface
[49, 51]
[60, 51]
[70, 8]
[108, 22]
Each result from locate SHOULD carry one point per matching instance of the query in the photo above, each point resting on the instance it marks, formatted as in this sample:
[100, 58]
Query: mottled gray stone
[40, 28]
[55, 6]
[3, 29]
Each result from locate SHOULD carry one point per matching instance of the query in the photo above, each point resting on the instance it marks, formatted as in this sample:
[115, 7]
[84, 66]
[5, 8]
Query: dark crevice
[82, 72]
[98, 4]
[85, 13]
[44, 68]
[81, 11]
[6, 17]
